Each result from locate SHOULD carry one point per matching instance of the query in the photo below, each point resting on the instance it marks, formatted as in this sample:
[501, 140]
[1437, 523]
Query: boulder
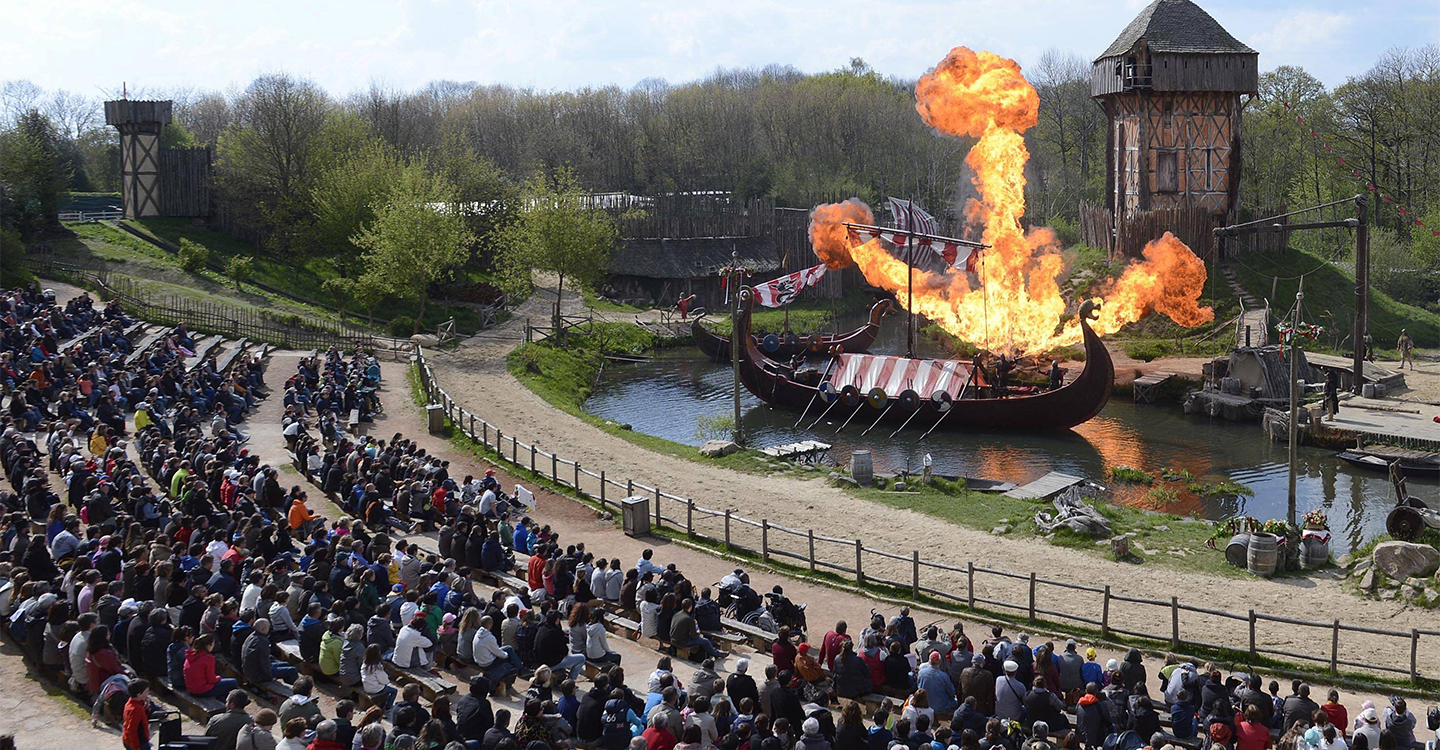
[899, 487]
[1401, 560]
[717, 448]
[1367, 580]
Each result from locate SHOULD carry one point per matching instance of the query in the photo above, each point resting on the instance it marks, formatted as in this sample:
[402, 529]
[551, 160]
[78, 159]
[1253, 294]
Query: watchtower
[155, 180]
[1171, 85]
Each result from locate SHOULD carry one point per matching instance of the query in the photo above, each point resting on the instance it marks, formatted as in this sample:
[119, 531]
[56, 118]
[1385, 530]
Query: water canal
[667, 395]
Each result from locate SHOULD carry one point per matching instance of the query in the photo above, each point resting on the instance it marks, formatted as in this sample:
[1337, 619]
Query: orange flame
[1014, 304]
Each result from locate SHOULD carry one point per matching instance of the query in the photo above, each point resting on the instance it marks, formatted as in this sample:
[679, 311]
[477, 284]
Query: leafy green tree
[556, 232]
[416, 239]
[240, 269]
[33, 175]
[345, 199]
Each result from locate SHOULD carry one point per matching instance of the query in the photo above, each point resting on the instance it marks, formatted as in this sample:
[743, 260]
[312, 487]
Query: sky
[92, 47]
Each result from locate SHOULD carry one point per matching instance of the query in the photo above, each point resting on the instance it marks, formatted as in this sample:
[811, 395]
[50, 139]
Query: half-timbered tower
[156, 180]
[1171, 85]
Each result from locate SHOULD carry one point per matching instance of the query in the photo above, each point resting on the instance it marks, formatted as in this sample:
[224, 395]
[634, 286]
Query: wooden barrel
[860, 468]
[1314, 553]
[1237, 549]
[1263, 554]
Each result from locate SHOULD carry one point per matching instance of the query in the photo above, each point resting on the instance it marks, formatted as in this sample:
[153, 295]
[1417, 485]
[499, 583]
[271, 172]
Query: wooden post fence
[1175, 623]
[1032, 597]
[765, 540]
[859, 569]
[811, 534]
[690, 518]
[657, 507]
[915, 576]
[602, 488]
[970, 583]
[1335, 649]
[1252, 634]
[1105, 615]
[727, 528]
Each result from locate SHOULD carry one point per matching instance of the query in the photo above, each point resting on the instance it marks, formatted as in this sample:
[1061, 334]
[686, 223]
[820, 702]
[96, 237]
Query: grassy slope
[302, 278]
[565, 378]
[1330, 299]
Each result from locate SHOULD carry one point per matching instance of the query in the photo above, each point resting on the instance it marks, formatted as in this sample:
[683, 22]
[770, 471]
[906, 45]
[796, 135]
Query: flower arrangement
[1310, 331]
[1317, 519]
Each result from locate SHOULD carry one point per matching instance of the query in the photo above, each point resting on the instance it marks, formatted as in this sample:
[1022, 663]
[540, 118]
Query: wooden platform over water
[1047, 486]
[1408, 425]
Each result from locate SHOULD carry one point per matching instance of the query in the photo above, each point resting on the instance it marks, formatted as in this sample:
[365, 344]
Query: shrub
[402, 326]
[240, 269]
[193, 256]
[714, 427]
[1146, 351]
[1130, 475]
[1160, 497]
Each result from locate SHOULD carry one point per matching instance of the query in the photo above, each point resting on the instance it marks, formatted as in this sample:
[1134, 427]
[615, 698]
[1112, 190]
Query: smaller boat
[782, 348]
[1378, 458]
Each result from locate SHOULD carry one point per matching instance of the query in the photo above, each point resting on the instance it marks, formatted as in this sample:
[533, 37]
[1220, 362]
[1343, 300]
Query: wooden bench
[724, 641]
[431, 686]
[275, 691]
[622, 626]
[134, 329]
[354, 421]
[146, 345]
[760, 640]
[202, 353]
[289, 650]
[223, 363]
[199, 708]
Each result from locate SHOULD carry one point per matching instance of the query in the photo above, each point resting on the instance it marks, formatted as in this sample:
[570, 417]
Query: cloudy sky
[92, 46]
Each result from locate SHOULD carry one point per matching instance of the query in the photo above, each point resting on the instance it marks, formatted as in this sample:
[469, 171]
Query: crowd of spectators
[146, 548]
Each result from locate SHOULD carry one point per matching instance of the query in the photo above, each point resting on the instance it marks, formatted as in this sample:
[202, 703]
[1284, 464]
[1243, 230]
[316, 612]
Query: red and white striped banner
[904, 210]
[896, 374]
[956, 254]
[780, 292]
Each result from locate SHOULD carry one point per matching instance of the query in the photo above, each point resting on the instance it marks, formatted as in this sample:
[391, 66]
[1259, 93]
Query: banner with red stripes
[780, 292]
[895, 375]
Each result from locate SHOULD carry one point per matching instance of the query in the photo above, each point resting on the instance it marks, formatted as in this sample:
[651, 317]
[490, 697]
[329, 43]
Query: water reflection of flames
[1013, 304]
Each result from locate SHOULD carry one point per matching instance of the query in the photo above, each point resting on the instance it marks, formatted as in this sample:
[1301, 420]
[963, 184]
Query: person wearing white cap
[811, 739]
[1009, 693]
[1368, 726]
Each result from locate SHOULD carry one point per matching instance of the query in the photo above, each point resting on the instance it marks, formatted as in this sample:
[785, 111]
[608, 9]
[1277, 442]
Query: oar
[823, 413]
[906, 422]
[943, 415]
[877, 419]
[817, 394]
[946, 413]
[852, 416]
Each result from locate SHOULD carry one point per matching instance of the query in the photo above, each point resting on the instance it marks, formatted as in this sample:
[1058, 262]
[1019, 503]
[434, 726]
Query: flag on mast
[903, 210]
[782, 291]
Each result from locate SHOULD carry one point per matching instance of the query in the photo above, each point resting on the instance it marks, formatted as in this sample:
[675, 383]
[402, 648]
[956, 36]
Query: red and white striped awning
[896, 374]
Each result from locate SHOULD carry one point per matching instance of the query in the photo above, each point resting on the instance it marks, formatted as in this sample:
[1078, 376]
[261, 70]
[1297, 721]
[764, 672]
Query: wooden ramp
[1045, 487]
[804, 451]
[1372, 372]
[1255, 320]
[1147, 387]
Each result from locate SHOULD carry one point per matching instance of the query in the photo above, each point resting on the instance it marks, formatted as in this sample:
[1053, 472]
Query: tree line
[301, 171]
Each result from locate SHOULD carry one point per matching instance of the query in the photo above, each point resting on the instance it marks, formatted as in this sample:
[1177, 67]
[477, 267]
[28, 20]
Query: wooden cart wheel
[1404, 523]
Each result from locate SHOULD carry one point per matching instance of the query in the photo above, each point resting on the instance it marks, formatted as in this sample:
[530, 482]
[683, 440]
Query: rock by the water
[1367, 580]
[717, 448]
[899, 487]
[1000, 530]
[1401, 560]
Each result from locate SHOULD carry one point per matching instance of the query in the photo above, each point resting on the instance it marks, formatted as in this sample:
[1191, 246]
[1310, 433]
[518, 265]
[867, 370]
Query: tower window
[1167, 172]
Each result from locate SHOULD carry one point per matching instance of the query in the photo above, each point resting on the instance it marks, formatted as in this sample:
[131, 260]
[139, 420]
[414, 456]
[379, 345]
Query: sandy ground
[475, 375]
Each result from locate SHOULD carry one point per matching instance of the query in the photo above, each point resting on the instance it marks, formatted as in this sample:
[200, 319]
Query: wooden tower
[1171, 85]
[139, 124]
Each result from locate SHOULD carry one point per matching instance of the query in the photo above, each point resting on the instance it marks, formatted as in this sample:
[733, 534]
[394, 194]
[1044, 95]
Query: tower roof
[1178, 26]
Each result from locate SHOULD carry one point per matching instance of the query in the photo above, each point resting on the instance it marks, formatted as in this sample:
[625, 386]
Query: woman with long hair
[374, 680]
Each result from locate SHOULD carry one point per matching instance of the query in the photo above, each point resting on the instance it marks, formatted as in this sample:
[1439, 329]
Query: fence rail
[909, 572]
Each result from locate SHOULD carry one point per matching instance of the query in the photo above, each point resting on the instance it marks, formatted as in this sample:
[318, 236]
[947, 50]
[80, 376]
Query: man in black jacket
[1043, 705]
[473, 715]
[588, 723]
[1298, 707]
[1092, 717]
[498, 733]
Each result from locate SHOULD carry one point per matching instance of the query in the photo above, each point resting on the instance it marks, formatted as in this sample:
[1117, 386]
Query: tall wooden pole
[735, 283]
[1294, 399]
[910, 282]
[1362, 289]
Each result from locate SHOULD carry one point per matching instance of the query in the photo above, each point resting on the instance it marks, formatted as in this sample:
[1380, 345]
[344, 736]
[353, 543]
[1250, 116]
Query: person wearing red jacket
[101, 661]
[201, 677]
[830, 646]
[135, 730]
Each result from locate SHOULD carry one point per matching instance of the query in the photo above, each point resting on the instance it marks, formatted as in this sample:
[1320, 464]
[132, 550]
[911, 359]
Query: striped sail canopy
[895, 374]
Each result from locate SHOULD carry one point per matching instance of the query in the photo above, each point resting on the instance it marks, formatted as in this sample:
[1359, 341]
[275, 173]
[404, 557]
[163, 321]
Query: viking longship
[929, 393]
[784, 347]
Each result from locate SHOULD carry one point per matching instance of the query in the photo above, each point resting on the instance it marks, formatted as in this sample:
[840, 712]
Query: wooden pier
[1045, 487]
[1148, 387]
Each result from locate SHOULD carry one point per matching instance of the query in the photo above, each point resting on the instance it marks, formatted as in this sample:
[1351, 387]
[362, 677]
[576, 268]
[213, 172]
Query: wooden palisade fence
[970, 586]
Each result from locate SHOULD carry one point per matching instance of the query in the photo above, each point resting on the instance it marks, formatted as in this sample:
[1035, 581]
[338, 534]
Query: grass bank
[565, 377]
[1330, 299]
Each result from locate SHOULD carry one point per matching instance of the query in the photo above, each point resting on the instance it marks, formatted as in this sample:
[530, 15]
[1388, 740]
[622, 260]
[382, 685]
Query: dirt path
[476, 376]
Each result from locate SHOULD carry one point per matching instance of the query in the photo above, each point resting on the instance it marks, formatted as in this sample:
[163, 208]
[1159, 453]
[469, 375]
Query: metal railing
[1248, 635]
